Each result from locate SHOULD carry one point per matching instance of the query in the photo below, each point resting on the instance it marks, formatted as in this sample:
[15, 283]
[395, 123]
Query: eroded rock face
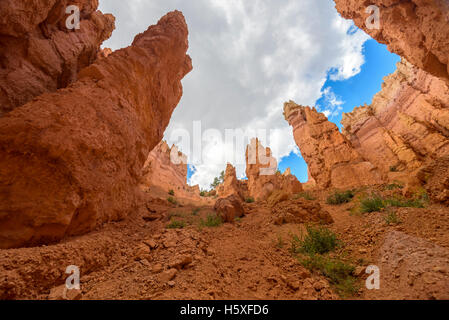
[229, 208]
[300, 211]
[231, 185]
[332, 160]
[263, 176]
[406, 126]
[38, 53]
[413, 268]
[71, 160]
[417, 30]
[166, 170]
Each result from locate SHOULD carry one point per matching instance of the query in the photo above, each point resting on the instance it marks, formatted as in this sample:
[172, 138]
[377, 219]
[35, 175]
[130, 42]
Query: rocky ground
[142, 258]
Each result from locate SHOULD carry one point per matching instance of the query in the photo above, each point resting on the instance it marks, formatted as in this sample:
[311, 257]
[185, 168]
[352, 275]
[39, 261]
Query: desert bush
[212, 220]
[336, 270]
[340, 197]
[176, 224]
[392, 218]
[250, 200]
[172, 200]
[371, 204]
[171, 192]
[318, 240]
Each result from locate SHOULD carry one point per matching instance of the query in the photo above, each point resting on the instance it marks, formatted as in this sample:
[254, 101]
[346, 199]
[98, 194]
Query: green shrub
[337, 271]
[212, 220]
[371, 204]
[394, 186]
[172, 200]
[404, 203]
[318, 240]
[203, 193]
[392, 218]
[171, 192]
[340, 197]
[176, 224]
[280, 242]
[196, 211]
[250, 200]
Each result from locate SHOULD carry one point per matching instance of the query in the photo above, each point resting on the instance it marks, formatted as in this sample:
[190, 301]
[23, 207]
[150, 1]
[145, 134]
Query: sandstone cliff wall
[72, 159]
[166, 170]
[417, 30]
[262, 173]
[38, 53]
[332, 160]
[407, 123]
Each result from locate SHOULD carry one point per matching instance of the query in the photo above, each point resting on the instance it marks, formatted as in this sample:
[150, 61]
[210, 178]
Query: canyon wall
[406, 125]
[332, 160]
[38, 53]
[166, 170]
[71, 160]
[405, 129]
[262, 173]
[417, 30]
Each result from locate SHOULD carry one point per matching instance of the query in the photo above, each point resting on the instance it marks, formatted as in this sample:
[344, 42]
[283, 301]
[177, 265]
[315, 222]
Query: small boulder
[229, 208]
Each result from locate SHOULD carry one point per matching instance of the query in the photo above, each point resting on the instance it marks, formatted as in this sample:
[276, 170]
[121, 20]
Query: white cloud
[332, 104]
[248, 57]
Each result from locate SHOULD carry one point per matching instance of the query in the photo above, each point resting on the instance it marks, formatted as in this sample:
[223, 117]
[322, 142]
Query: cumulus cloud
[249, 57]
[333, 105]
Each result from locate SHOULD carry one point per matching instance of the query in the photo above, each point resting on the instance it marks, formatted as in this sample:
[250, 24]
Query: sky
[249, 57]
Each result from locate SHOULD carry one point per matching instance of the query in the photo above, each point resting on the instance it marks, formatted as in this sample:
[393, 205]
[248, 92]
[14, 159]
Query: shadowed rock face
[417, 30]
[332, 160]
[38, 53]
[72, 159]
[407, 124]
[166, 170]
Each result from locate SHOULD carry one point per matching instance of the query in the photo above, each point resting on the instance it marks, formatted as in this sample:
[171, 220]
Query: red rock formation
[332, 160]
[406, 125]
[71, 160]
[229, 208]
[166, 170]
[300, 211]
[435, 177]
[38, 53]
[417, 30]
[262, 173]
[231, 185]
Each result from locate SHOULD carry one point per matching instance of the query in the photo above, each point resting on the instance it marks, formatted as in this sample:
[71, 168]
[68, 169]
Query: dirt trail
[233, 261]
[140, 258]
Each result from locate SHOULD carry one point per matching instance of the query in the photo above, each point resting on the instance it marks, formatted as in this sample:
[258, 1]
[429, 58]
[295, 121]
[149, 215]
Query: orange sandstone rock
[332, 160]
[229, 208]
[71, 160]
[231, 185]
[300, 211]
[262, 173]
[166, 170]
[417, 30]
[38, 53]
[406, 126]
